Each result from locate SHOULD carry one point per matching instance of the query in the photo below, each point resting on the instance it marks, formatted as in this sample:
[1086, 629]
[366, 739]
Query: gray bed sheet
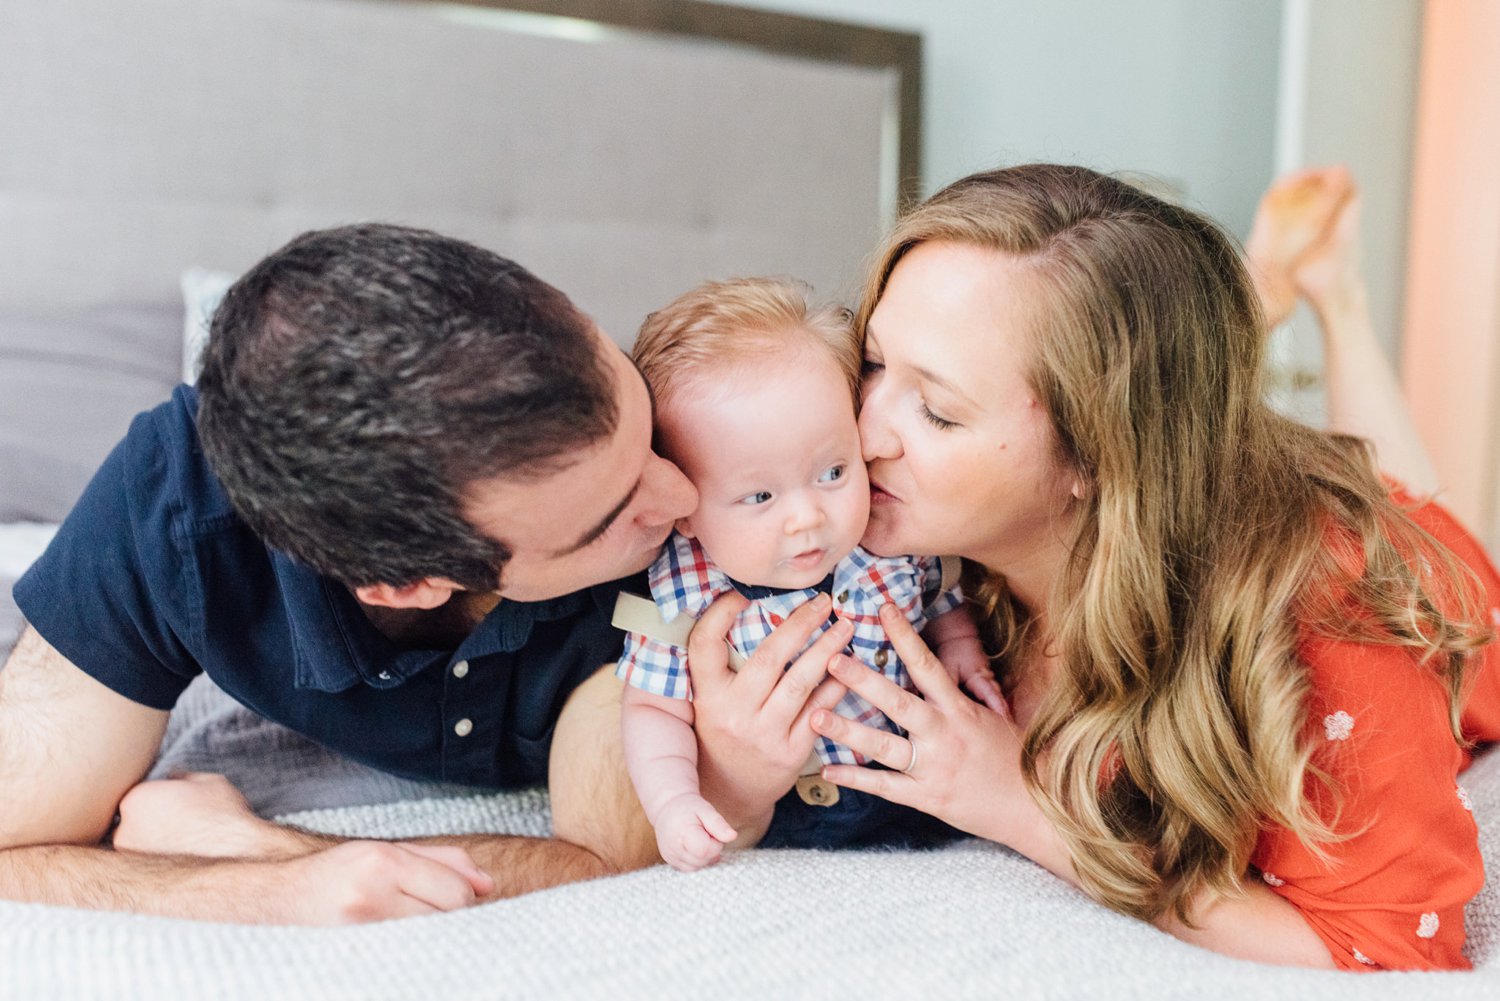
[968, 921]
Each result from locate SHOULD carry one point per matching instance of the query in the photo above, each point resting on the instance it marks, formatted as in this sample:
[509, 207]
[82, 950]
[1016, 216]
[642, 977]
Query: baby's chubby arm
[661, 753]
[954, 637]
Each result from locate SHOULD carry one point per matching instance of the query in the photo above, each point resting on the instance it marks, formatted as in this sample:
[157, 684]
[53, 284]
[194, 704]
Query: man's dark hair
[358, 380]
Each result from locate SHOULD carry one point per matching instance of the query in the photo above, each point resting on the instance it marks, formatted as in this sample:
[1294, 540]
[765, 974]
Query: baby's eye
[759, 497]
[833, 474]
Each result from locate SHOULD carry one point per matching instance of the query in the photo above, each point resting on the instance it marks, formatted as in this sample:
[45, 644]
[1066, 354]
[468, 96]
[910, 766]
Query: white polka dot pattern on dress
[1363, 958]
[1338, 726]
[1272, 879]
[1428, 926]
[1463, 797]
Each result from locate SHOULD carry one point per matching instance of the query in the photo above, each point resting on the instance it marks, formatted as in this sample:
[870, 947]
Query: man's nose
[667, 493]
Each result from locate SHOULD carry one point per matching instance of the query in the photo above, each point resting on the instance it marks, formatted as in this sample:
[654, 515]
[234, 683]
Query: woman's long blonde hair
[1214, 532]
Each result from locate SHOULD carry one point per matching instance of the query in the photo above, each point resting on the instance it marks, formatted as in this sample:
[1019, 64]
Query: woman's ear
[429, 592]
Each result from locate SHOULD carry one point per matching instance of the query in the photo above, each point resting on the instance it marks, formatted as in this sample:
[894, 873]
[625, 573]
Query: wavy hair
[1215, 536]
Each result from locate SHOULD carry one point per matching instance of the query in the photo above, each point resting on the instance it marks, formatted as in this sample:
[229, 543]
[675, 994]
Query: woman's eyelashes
[942, 424]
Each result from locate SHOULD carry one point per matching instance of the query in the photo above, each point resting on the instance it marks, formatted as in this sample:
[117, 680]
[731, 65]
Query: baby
[755, 401]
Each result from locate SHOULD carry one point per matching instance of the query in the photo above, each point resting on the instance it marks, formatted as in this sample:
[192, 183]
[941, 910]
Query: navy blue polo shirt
[153, 579]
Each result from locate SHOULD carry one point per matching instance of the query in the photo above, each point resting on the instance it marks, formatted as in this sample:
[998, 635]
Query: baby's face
[774, 452]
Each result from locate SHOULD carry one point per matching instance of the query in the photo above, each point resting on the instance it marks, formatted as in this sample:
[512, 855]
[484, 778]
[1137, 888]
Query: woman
[1242, 669]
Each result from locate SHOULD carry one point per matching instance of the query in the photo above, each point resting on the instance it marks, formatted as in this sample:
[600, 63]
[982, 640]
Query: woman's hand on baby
[753, 726]
[960, 760]
[690, 833]
[966, 663]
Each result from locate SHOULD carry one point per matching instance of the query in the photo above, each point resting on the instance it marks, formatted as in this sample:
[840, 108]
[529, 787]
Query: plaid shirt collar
[684, 581]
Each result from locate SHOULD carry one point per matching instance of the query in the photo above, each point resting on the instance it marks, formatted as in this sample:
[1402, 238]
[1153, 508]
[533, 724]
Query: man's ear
[429, 592]
[684, 528]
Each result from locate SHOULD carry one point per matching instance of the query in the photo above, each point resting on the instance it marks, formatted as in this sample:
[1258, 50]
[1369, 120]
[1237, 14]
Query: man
[386, 519]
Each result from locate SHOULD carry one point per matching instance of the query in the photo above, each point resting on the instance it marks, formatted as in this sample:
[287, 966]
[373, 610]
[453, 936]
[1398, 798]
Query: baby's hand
[967, 665]
[690, 833]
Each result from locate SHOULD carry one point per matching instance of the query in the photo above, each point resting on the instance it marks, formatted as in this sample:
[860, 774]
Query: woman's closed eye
[941, 423]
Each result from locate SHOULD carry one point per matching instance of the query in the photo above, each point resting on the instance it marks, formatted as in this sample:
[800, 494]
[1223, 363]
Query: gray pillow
[69, 385]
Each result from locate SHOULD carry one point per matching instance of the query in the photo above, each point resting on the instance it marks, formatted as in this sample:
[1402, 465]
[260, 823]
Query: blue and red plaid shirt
[684, 581]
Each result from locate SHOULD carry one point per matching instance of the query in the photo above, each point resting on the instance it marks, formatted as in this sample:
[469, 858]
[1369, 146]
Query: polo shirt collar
[336, 647]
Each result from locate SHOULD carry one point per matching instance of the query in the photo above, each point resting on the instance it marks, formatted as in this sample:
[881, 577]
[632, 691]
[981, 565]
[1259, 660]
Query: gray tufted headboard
[624, 153]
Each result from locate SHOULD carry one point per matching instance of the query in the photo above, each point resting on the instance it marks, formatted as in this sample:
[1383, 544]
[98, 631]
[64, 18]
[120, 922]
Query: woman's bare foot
[1296, 214]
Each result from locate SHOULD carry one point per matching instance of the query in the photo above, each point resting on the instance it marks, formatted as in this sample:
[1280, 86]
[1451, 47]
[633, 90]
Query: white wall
[1352, 100]
[1213, 96]
[1184, 89]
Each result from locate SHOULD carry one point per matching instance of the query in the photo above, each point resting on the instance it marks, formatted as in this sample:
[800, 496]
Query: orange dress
[1392, 896]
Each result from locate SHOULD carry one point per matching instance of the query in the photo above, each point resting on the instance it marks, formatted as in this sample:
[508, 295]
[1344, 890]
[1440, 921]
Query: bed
[624, 151]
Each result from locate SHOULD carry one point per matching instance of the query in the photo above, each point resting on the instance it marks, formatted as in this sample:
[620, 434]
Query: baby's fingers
[986, 689]
[716, 826]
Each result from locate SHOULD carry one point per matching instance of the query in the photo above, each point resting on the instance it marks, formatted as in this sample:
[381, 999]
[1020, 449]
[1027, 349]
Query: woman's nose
[876, 438]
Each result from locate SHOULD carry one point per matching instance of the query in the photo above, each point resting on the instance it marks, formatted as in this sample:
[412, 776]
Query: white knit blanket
[971, 920]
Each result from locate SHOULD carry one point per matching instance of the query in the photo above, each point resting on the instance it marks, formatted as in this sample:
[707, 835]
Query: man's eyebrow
[604, 523]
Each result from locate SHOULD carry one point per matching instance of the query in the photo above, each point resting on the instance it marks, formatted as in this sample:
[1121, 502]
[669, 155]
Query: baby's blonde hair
[725, 323]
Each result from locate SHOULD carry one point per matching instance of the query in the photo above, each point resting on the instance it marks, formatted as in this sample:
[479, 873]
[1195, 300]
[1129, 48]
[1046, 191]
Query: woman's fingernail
[820, 719]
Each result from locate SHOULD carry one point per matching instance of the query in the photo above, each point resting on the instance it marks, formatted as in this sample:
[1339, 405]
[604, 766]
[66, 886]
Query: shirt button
[843, 597]
[384, 675]
[460, 669]
[464, 727]
[880, 658]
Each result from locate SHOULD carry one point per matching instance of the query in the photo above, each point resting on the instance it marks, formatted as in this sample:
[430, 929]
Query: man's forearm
[174, 886]
[523, 865]
[517, 864]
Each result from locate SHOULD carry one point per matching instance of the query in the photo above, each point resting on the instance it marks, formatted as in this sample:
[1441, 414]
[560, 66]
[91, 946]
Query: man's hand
[752, 726]
[359, 881]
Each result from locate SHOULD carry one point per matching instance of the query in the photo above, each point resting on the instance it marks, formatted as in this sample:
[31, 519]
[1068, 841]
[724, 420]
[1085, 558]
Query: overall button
[843, 597]
[881, 657]
[814, 790]
[464, 727]
[384, 675]
[460, 669]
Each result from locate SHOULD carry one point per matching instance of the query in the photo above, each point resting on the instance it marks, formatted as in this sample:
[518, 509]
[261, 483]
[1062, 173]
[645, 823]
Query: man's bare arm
[69, 750]
[600, 827]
